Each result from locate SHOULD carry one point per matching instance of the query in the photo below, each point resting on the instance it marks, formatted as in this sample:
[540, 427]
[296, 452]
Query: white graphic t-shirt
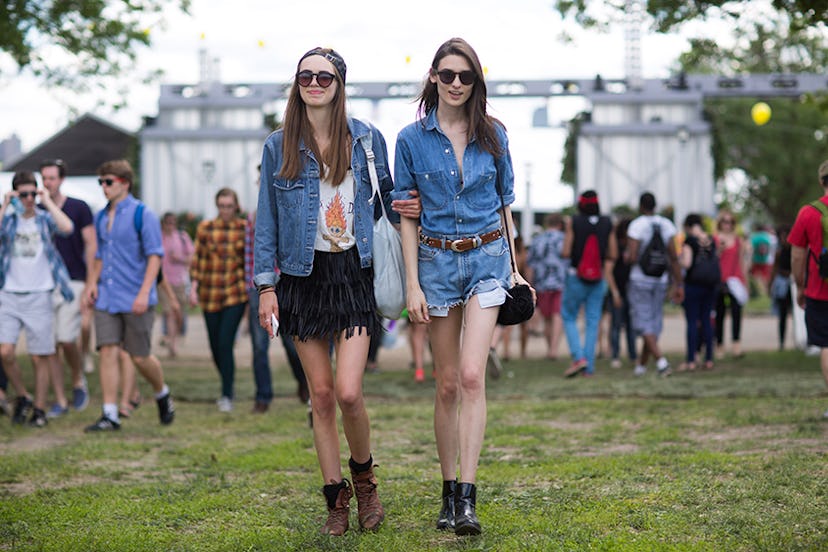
[29, 269]
[335, 231]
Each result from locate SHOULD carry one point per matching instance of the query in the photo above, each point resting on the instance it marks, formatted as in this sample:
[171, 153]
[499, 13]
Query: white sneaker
[225, 404]
[639, 370]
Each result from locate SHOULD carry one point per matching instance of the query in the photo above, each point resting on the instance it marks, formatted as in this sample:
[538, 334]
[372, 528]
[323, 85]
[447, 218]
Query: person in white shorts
[30, 268]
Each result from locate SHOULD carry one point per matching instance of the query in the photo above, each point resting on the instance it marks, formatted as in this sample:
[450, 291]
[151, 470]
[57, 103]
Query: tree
[78, 44]
[667, 15]
[778, 159]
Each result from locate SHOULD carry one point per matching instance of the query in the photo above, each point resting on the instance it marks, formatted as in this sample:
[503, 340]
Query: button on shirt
[455, 205]
[124, 256]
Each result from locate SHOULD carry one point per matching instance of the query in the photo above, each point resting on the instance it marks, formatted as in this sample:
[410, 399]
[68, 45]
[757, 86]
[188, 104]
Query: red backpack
[590, 267]
[591, 235]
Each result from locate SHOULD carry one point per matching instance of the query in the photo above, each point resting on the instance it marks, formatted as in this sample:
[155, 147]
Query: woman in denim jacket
[315, 220]
[457, 266]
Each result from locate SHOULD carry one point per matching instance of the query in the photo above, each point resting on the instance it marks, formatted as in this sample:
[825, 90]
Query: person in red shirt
[812, 291]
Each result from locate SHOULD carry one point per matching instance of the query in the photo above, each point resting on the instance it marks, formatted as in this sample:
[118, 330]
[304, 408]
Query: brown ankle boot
[337, 496]
[369, 508]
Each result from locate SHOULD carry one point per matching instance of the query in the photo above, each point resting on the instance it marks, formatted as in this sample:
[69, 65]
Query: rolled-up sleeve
[403, 177]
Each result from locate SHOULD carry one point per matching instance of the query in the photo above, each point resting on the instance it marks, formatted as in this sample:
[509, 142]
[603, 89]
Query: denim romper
[455, 208]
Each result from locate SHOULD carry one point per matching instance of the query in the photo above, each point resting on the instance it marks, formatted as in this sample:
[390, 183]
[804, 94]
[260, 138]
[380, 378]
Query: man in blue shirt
[121, 285]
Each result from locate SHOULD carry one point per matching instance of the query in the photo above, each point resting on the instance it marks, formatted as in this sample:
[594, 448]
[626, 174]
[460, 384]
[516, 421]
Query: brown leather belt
[463, 244]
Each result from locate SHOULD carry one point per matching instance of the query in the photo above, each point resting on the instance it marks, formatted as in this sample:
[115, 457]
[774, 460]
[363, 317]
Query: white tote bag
[389, 269]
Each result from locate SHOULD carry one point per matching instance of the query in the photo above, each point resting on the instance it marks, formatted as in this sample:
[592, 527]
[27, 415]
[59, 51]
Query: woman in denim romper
[457, 265]
[315, 220]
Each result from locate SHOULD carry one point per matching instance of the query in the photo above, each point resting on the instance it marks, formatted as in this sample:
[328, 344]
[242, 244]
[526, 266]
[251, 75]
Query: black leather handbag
[520, 305]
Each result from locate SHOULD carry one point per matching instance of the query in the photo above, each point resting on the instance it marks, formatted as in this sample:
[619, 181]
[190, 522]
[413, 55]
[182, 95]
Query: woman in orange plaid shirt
[218, 286]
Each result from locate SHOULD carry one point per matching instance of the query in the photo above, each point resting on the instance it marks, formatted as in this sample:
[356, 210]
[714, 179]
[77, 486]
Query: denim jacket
[452, 207]
[48, 230]
[288, 210]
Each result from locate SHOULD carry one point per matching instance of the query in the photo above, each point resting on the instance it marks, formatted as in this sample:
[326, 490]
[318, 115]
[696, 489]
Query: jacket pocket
[289, 193]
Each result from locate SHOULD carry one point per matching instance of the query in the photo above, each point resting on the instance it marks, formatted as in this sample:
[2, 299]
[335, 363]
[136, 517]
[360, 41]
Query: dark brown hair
[61, 166]
[120, 168]
[23, 177]
[229, 192]
[297, 128]
[481, 125]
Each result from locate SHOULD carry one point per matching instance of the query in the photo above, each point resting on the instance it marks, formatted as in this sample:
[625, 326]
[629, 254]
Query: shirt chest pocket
[289, 194]
[434, 192]
[482, 192]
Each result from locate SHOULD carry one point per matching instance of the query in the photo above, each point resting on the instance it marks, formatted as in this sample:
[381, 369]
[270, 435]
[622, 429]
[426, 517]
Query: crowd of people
[300, 265]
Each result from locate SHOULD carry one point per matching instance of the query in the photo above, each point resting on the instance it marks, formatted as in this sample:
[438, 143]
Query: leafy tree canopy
[77, 44]
[668, 15]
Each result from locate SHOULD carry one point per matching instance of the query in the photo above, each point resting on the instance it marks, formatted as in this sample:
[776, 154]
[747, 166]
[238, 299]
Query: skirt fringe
[337, 296]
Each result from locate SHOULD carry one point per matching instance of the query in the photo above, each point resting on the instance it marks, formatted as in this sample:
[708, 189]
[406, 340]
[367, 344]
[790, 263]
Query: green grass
[734, 459]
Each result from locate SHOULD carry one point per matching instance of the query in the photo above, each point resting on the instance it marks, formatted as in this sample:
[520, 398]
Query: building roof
[83, 146]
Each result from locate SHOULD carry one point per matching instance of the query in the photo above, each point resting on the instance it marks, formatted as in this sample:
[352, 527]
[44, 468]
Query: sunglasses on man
[447, 76]
[24, 195]
[107, 181]
[323, 78]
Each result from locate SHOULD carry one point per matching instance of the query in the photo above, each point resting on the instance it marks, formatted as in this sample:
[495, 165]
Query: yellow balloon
[760, 113]
[407, 59]
[261, 43]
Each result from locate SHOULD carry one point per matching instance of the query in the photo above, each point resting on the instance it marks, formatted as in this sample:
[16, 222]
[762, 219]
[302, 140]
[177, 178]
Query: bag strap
[506, 227]
[366, 142]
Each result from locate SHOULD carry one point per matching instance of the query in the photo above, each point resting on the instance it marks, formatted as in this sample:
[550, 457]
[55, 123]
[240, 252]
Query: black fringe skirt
[337, 296]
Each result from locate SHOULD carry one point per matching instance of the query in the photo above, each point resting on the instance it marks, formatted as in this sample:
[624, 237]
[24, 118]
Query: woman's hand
[408, 208]
[417, 306]
[268, 305]
[520, 280]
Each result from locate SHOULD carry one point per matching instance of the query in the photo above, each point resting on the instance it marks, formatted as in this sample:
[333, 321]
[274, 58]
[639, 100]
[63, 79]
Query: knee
[323, 403]
[471, 380]
[447, 390]
[350, 400]
[7, 354]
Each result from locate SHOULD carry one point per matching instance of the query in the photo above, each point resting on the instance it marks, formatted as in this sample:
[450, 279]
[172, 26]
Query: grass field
[734, 459]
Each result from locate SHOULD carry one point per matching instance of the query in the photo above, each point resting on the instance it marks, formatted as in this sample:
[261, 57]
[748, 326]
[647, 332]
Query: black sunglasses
[323, 78]
[24, 195]
[106, 181]
[447, 76]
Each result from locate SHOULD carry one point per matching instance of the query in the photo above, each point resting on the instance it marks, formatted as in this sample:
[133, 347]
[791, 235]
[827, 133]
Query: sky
[261, 41]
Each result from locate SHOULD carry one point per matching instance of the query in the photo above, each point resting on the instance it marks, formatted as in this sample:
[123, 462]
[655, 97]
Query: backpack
[137, 222]
[590, 268]
[589, 260]
[653, 260]
[822, 259]
[705, 270]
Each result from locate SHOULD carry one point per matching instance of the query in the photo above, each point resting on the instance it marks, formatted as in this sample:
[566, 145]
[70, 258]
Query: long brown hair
[297, 128]
[481, 125]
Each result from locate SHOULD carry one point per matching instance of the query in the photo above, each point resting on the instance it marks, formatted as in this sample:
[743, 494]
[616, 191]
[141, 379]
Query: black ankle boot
[465, 518]
[446, 518]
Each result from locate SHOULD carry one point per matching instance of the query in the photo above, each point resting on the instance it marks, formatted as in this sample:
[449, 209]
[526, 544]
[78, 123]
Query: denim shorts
[449, 278]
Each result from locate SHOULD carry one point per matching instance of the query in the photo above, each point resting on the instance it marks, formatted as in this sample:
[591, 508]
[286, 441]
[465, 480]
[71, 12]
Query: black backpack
[705, 270]
[653, 260]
